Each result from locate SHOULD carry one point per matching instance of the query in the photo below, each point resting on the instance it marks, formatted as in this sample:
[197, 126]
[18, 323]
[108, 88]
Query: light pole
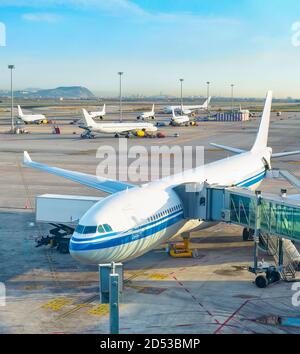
[207, 83]
[181, 99]
[232, 86]
[11, 67]
[120, 73]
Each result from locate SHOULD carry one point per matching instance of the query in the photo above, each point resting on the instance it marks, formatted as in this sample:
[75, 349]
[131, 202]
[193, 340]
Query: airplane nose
[89, 252]
[82, 256]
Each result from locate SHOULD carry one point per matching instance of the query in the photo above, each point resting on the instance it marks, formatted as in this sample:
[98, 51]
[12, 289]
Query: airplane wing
[228, 148]
[283, 154]
[100, 183]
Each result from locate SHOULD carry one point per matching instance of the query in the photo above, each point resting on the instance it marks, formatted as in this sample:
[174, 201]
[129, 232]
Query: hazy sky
[155, 42]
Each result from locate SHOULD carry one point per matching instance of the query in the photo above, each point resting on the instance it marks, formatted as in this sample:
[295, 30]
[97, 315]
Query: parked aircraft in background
[147, 115]
[188, 109]
[98, 114]
[179, 120]
[116, 128]
[31, 118]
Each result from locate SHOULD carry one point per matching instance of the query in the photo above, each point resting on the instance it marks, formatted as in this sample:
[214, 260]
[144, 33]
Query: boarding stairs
[291, 257]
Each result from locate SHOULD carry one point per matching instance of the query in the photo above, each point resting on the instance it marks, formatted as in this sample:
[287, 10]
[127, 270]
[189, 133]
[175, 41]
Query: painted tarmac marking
[158, 276]
[194, 298]
[57, 304]
[99, 310]
[231, 317]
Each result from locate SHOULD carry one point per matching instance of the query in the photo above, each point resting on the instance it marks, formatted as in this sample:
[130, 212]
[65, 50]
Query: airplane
[179, 120]
[146, 115]
[116, 128]
[98, 114]
[30, 118]
[188, 109]
[135, 219]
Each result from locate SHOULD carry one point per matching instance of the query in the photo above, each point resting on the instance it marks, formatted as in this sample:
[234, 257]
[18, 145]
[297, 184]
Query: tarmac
[48, 292]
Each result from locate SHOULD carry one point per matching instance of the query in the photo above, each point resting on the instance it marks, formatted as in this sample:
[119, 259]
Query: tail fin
[152, 109]
[103, 109]
[173, 113]
[206, 103]
[88, 120]
[20, 113]
[262, 135]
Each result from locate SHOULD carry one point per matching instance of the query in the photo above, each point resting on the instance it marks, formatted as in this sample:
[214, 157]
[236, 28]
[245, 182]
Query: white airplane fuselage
[184, 109]
[32, 118]
[122, 128]
[97, 114]
[180, 120]
[146, 216]
[146, 115]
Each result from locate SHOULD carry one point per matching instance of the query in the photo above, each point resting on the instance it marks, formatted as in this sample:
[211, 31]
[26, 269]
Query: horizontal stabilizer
[291, 178]
[228, 148]
[100, 183]
[283, 154]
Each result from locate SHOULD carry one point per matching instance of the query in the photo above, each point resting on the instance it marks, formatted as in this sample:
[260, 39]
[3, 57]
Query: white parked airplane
[30, 118]
[98, 114]
[135, 219]
[147, 115]
[179, 120]
[115, 128]
[188, 109]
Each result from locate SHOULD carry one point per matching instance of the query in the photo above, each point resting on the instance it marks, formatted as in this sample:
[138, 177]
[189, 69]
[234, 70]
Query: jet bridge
[272, 220]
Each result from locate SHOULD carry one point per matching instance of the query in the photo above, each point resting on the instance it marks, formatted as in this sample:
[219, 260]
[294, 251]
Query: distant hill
[67, 92]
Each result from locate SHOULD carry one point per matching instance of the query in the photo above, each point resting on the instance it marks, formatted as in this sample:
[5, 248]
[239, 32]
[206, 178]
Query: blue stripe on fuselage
[128, 238]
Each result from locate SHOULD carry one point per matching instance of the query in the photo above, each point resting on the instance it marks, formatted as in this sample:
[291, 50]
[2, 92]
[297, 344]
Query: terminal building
[240, 115]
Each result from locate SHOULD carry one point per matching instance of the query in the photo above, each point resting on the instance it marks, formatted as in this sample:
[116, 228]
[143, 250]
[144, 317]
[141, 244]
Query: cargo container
[62, 208]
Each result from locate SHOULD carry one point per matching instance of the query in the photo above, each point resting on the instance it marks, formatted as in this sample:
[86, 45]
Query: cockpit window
[81, 229]
[104, 228]
[107, 228]
[101, 229]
